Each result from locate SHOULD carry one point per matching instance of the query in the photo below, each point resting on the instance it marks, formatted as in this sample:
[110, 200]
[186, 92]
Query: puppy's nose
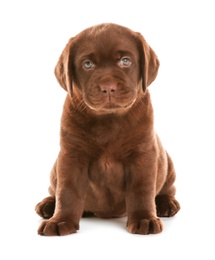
[108, 88]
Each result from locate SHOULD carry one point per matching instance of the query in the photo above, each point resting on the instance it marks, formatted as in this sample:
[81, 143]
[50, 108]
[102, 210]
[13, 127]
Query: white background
[32, 36]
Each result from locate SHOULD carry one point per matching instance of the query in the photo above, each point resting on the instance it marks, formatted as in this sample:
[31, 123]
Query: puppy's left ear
[63, 69]
[149, 63]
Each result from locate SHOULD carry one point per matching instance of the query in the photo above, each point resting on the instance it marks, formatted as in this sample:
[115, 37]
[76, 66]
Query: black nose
[108, 88]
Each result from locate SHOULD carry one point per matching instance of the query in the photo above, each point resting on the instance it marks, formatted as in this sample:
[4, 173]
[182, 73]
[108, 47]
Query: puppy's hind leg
[46, 207]
[166, 204]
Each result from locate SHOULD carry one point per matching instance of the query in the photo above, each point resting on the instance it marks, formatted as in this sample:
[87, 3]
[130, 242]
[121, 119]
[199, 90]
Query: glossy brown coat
[111, 162]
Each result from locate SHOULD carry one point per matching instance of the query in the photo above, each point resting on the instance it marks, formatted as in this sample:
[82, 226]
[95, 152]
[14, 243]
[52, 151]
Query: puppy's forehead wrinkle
[106, 38]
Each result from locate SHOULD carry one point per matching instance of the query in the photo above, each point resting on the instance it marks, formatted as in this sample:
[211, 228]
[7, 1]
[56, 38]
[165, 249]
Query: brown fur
[111, 162]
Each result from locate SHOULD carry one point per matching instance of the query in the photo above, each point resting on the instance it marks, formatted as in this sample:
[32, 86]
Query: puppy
[111, 162]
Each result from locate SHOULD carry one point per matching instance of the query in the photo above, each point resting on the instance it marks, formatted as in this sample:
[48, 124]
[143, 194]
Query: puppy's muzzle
[108, 88]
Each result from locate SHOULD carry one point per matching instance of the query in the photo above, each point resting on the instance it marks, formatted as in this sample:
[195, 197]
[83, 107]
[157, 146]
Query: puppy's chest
[107, 171]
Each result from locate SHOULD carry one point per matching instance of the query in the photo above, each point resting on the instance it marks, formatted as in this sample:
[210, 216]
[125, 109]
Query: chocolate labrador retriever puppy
[111, 162]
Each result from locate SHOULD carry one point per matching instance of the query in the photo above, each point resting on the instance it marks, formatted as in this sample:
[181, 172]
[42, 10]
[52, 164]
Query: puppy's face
[107, 71]
[107, 66]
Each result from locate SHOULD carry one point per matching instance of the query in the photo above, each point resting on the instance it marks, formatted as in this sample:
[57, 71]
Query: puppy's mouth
[112, 98]
[110, 107]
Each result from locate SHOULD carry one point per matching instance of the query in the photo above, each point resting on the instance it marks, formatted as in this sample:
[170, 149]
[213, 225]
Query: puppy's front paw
[145, 226]
[54, 227]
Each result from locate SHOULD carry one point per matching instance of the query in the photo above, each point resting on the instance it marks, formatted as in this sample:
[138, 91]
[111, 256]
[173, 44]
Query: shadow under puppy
[111, 162]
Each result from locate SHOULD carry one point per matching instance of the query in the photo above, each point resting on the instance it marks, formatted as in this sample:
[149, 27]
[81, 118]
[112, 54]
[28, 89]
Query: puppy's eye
[88, 65]
[124, 62]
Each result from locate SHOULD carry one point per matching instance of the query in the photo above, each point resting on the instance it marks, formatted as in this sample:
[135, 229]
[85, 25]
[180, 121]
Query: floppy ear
[149, 63]
[63, 69]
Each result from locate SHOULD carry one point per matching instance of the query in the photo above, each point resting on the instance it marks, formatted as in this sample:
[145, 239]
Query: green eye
[88, 64]
[125, 62]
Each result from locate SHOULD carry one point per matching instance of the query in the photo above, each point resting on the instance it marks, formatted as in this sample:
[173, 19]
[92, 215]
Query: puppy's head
[107, 65]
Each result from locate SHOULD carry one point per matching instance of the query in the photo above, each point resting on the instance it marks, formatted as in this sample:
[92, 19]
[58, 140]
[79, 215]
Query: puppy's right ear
[63, 69]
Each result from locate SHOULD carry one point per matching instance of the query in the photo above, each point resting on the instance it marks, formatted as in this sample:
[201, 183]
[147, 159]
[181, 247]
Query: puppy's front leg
[140, 200]
[70, 194]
